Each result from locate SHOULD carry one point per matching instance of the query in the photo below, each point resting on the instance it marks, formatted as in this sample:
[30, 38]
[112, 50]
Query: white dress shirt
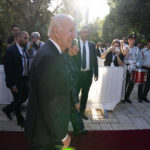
[23, 55]
[87, 68]
[57, 46]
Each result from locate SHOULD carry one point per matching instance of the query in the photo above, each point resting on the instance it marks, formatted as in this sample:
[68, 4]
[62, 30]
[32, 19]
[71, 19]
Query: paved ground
[124, 117]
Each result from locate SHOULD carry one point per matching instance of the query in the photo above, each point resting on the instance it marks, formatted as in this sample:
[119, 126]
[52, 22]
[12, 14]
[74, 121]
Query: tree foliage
[96, 30]
[127, 16]
[30, 15]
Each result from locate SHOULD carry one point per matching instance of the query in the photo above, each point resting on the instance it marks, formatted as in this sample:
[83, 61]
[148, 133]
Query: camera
[36, 45]
[117, 49]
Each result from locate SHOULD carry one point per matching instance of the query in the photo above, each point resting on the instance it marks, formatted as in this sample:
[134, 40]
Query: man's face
[23, 40]
[66, 34]
[84, 34]
[15, 30]
[131, 41]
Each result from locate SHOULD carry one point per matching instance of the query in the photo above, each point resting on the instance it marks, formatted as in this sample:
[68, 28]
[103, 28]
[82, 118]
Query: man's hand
[66, 142]
[14, 90]
[77, 106]
[95, 78]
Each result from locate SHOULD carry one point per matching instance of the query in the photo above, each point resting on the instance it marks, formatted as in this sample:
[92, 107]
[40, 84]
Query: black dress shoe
[123, 101]
[146, 100]
[20, 123]
[140, 100]
[84, 131]
[8, 114]
[128, 101]
[84, 116]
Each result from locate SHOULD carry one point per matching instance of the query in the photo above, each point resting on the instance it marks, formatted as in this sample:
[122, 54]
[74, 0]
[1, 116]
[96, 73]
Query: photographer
[113, 55]
[34, 46]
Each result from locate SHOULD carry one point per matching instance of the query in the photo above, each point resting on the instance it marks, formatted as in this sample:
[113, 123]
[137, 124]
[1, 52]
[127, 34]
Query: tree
[30, 15]
[96, 30]
[71, 7]
[127, 16]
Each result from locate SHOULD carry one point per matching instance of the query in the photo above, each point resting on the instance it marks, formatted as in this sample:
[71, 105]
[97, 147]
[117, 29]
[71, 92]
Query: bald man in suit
[49, 105]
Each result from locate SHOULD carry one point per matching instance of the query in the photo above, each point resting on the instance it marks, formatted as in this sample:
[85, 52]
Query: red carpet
[94, 140]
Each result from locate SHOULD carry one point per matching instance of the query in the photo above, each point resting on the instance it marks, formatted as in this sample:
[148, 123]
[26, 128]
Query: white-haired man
[49, 105]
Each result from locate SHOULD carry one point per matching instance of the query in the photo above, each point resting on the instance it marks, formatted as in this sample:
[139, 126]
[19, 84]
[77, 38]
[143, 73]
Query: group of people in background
[125, 53]
[56, 71]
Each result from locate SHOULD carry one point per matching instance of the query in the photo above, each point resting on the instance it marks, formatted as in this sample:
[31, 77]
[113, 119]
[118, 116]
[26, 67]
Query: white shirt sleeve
[64, 138]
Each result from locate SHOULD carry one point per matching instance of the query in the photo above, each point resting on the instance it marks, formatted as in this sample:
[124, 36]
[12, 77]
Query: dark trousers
[129, 85]
[85, 80]
[143, 89]
[76, 120]
[19, 98]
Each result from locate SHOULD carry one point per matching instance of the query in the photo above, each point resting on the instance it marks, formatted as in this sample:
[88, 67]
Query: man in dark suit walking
[87, 63]
[17, 70]
[49, 105]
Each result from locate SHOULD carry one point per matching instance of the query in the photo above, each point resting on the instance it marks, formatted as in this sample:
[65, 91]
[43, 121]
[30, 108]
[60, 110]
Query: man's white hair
[58, 20]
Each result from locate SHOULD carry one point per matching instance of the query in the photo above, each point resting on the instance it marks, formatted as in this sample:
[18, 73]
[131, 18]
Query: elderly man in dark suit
[87, 63]
[16, 67]
[49, 105]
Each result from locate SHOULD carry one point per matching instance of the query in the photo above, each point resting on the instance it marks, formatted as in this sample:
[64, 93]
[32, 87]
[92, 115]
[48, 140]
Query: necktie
[25, 64]
[84, 57]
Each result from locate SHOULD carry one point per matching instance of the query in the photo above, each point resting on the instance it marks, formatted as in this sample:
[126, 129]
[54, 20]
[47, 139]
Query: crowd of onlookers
[134, 57]
[32, 47]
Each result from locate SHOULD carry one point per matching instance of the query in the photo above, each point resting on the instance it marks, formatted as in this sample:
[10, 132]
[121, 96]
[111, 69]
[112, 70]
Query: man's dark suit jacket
[13, 66]
[93, 59]
[49, 105]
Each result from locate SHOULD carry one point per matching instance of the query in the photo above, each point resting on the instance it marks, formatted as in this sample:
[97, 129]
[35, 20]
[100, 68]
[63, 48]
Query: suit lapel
[19, 56]
[53, 47]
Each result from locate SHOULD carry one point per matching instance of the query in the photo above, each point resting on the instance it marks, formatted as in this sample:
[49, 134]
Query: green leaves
[127, 16]
[30, 15]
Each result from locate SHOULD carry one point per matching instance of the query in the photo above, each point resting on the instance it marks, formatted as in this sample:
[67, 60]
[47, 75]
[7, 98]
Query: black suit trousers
[19, 98]
[129, 85]
[85, 81]
[143, 89]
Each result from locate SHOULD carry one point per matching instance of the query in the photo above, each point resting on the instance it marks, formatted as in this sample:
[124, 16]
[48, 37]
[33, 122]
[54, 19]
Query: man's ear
[56, 31]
